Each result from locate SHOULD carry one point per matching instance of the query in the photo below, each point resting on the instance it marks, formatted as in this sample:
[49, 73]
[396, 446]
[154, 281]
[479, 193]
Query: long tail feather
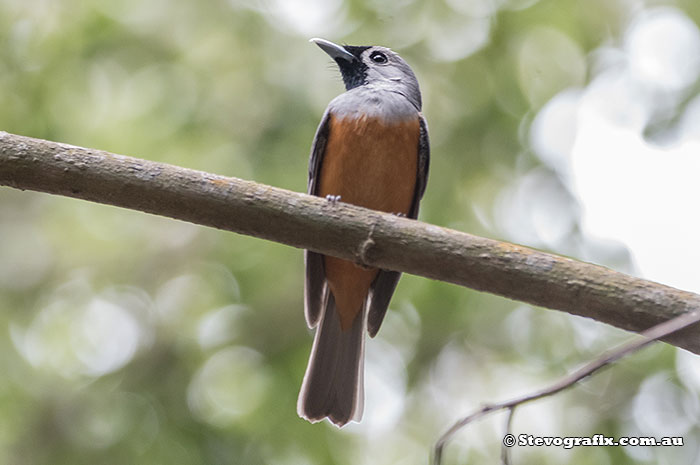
[333, 385]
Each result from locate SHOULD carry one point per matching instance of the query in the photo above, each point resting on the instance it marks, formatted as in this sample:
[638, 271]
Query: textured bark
[346, 231]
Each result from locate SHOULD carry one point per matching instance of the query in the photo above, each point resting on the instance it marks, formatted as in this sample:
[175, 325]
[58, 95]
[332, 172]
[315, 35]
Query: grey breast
[371, 101]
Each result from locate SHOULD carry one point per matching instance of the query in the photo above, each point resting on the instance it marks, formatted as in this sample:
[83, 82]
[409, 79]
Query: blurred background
[569, 126]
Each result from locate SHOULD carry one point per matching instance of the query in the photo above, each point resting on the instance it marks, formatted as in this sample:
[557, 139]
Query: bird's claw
[333, 198]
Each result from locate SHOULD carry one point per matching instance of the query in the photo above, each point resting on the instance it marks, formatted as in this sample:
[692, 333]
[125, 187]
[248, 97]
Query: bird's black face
[354, 71]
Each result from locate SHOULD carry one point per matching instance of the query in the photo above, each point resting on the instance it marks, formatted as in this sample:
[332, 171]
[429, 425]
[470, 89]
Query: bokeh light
[630, 189]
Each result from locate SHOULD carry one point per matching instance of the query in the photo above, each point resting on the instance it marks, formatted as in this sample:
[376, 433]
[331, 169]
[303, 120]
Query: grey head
[373, 66]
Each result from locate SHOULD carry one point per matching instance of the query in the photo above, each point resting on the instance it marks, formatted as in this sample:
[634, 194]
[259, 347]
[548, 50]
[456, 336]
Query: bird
[371, 149]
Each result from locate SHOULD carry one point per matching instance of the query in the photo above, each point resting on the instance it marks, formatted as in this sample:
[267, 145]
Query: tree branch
[648, 336]
[343, 231]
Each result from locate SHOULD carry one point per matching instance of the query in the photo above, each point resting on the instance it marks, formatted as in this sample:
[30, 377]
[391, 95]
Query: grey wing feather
[318, 148]
[385, 283]
[423, 166]
[382, 289]
[315, 281]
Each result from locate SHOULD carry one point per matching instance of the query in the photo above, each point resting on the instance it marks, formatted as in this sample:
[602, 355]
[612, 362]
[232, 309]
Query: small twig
[648, 336]
[505, 450]
[365, 246]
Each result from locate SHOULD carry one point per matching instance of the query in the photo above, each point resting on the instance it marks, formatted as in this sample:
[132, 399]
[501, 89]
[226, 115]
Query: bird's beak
[334, 50]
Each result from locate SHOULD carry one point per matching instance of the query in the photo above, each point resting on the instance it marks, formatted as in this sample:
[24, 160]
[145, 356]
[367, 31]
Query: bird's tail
[333, 385]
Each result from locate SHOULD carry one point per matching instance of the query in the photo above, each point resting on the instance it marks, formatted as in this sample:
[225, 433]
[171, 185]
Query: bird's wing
[315, 281]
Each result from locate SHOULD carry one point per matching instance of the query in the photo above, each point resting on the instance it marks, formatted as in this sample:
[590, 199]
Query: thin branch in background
[505, 450]
[648, 336]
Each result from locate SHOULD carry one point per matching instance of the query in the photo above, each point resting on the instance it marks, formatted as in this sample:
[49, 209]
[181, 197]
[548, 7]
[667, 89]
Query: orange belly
[373, 164]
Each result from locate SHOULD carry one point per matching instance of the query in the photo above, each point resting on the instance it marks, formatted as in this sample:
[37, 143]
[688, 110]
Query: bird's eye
[378, 57]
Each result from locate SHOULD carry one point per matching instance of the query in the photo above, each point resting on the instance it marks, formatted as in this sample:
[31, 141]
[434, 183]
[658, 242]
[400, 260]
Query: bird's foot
[333, 199]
